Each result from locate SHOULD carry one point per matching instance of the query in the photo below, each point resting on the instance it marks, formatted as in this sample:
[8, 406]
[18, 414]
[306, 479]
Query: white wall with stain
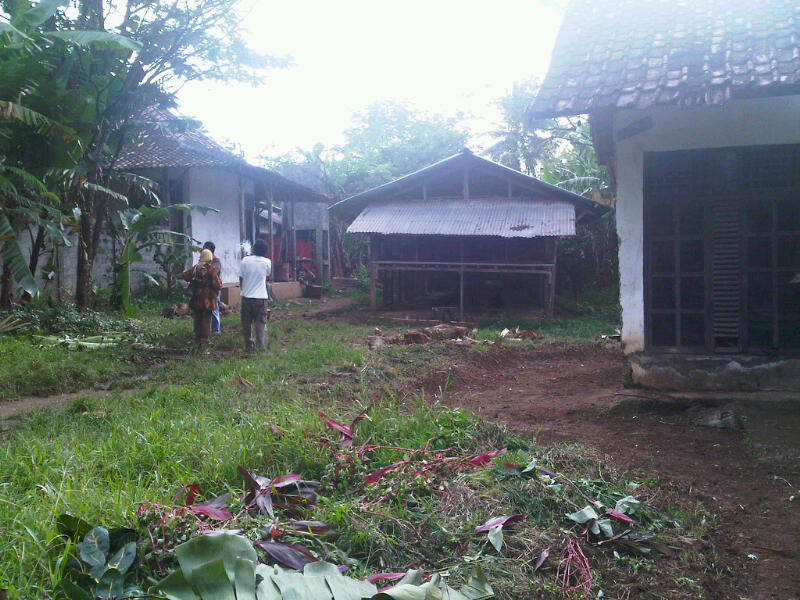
[220, 189]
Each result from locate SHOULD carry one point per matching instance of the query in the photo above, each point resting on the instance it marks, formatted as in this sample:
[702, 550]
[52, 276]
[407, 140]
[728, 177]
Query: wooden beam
[634, 129]
[439, 175]
[519, 184]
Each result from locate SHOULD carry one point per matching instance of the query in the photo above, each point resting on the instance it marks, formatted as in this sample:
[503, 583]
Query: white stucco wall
[738, 123]
[220, 189]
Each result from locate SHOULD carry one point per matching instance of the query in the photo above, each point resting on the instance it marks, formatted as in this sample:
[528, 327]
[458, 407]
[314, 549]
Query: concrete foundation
[694, 373]
[231, 295]
[284, 290]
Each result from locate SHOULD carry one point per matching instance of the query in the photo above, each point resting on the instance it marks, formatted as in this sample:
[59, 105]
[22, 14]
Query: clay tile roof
[640, 53]
[167, 141]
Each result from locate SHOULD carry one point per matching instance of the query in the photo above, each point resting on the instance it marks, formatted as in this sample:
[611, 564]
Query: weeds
[118, 461]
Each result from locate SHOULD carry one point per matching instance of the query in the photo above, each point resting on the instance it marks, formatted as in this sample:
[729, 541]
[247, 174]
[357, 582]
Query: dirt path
[314, 308]
[744, 476]
[13, 409]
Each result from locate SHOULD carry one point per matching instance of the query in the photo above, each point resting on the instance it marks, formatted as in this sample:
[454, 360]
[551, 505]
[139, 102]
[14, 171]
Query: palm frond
[14, 259]
[42, 11]
[8, 28]
[13, 111]
[102, 38]
[580, 185]
[96, 187]
[31, 181]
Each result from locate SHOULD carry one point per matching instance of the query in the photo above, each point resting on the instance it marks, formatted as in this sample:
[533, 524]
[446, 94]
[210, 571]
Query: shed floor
[472, 316]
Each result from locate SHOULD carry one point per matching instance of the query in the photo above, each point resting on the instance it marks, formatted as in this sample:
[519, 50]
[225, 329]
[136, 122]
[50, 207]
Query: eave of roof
[613, 54]
[354, 204]
[158, 147]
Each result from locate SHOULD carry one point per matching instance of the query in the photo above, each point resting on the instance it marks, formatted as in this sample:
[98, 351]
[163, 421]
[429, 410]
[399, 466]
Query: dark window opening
[722, 249]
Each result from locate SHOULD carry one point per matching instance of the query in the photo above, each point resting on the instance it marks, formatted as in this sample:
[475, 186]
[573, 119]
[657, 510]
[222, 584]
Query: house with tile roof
[695, 108]
[250, 203]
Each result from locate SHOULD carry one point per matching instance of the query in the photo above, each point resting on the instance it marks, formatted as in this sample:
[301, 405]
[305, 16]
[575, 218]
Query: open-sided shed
[465, 229]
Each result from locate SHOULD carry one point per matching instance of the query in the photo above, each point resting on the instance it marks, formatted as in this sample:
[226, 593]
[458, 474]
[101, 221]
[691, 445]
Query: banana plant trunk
[124, 287]
[91, 226]
[6, 283]
[83, 280]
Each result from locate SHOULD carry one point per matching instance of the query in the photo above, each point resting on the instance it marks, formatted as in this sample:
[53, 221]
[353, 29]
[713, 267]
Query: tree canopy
[387, 140]
[76, 79]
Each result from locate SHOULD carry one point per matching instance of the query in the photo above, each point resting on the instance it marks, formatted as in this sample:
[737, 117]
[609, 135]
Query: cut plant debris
[286, 536]
[309, 472]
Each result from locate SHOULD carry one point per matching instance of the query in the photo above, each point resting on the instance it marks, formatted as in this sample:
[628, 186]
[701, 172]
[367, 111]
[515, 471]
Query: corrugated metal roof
[350, 207]
[503, 217]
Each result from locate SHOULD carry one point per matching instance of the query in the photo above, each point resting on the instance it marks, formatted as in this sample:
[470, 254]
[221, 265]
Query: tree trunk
[36, 250]
[6, 283]
[93, 211]
[86, 253]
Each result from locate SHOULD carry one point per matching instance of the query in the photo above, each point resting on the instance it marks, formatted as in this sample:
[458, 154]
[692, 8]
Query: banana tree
[136, 230]
[24, 199]
[35, 61]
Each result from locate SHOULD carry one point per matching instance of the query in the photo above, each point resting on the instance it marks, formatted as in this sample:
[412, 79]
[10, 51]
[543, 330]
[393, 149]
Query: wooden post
[551, 290]
[373, 297]
[461, 294]
[271, 238]
[373, 274]
[461, 280]
[465, 189]
[294, 244]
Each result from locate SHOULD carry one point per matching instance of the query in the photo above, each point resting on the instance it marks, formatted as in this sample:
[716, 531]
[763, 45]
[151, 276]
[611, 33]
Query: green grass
[198, 417]
[579, 320]
[161, 351]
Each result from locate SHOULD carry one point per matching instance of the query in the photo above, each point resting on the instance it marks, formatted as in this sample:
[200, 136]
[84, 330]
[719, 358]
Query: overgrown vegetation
[584, 319]
[403, 487]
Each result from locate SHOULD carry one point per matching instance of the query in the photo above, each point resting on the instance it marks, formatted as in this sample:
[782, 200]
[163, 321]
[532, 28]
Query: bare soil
[744, 476]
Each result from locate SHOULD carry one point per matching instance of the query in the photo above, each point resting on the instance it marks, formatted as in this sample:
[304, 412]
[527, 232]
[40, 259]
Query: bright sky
[443, 56]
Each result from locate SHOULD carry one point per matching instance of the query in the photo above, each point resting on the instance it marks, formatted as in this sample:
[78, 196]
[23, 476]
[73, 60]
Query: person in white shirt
[253, 273]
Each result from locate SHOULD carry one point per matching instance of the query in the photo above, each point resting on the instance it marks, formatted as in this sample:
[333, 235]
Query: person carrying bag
[204, 287]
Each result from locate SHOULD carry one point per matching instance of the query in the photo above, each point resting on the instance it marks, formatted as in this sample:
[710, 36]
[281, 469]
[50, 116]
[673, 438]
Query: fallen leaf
[484, 458]
[293, 556]
[504, 520]
[376, 476]
[385, 577]
[542, 557]
[618, 515]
